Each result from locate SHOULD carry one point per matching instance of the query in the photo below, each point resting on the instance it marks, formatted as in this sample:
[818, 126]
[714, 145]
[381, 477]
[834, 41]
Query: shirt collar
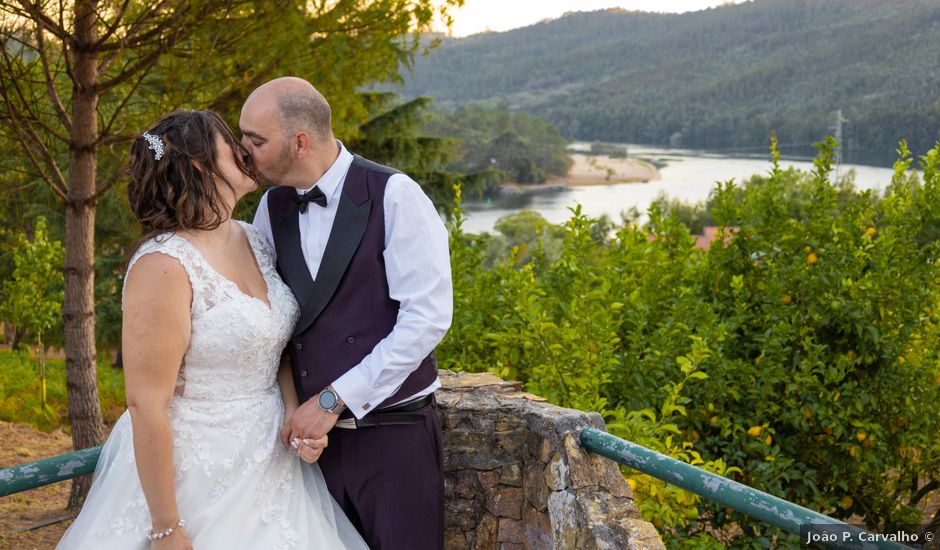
[330, 181]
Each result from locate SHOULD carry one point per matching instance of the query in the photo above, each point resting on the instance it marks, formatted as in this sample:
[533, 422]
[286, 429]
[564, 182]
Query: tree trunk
[79, 307]
[17, 339]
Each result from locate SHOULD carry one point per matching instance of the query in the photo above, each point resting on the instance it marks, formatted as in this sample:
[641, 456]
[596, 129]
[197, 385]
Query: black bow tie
[314, 195]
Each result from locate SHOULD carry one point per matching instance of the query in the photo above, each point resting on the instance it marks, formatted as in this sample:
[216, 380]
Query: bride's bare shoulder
[156, 275]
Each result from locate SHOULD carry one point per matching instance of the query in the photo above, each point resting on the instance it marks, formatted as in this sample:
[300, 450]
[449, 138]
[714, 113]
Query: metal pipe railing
[756, 504]
[48, 470]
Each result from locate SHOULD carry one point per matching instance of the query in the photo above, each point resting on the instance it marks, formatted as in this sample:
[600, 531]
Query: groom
[365, 254]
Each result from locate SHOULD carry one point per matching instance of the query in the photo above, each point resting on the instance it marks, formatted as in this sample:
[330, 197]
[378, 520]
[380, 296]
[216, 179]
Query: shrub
[798, 354]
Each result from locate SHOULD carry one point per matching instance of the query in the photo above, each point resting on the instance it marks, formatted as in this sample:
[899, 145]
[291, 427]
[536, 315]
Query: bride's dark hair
[178, 191]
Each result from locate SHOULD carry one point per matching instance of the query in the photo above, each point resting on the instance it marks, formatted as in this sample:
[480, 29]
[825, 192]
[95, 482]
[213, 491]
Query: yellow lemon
[846, 501]
[768, 440]
[812, 258]
[754, 431]
[861, 436]
[787, 299]
[871, 232]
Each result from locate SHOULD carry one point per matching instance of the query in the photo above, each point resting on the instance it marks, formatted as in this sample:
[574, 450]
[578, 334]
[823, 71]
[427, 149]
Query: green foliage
[19, 392]
[393, 136]
[694, 216]
[192, 57]
[713, 79]
[669, 508]
[610, 149]
[797, 355]
[522, 148]
[32, 297]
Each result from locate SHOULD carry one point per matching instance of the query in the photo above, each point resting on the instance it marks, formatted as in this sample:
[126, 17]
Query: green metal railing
[756, 504]
[49, 470]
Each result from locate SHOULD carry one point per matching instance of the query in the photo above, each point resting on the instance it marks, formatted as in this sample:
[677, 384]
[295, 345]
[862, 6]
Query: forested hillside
[721, 79]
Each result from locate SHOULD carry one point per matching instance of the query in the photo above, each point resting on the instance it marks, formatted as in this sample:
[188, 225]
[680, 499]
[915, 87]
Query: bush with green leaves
[798, 354]
[32, 296]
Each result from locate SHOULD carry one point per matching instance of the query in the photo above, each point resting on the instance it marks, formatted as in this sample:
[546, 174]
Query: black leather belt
[397, 415]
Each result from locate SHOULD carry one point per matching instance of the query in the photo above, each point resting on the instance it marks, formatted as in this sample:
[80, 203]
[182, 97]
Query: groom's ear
[301, 145]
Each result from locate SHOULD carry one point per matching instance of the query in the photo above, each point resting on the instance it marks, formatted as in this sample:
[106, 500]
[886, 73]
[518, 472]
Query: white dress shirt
[417, 266]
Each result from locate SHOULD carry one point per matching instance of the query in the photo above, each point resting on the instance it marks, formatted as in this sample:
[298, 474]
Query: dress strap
[180, 249]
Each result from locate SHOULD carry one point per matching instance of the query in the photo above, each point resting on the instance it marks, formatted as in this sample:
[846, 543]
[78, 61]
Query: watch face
[327, 399]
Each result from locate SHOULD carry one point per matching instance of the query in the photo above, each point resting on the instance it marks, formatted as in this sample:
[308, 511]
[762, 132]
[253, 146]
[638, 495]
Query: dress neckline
[266, 300]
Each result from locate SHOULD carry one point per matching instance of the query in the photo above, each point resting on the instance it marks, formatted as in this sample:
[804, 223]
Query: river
[688, 175]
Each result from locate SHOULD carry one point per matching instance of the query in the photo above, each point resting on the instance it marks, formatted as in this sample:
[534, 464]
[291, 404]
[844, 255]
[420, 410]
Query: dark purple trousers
[390, 482]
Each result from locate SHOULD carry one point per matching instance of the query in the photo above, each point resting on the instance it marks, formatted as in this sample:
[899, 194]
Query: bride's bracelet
[165, 533]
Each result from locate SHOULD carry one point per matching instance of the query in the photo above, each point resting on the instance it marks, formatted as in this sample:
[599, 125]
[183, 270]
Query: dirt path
[26, 444]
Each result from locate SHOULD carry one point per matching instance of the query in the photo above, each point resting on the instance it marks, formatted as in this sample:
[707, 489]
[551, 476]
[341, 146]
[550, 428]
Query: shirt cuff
[356, 392]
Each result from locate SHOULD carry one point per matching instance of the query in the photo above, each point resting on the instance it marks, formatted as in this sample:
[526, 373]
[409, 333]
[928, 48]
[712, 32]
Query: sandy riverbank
[591, 170]
[605, 170]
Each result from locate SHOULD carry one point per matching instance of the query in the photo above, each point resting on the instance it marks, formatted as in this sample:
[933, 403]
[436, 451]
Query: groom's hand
[310, 421]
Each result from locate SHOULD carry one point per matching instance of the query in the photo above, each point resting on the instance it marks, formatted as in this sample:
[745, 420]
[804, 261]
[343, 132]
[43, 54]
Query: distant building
[711, 233]
[703, 242]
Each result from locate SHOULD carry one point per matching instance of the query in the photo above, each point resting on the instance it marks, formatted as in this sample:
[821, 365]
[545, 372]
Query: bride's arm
[309, 449]
[155, 335]
[285, 380]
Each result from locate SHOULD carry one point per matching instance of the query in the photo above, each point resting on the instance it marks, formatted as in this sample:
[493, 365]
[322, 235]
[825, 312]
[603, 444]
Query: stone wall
[517, 478]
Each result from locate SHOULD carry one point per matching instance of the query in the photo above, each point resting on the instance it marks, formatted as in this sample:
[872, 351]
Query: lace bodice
[236, 339]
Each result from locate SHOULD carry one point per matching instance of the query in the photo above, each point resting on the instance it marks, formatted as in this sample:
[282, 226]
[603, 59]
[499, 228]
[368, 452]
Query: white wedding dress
[237, 486]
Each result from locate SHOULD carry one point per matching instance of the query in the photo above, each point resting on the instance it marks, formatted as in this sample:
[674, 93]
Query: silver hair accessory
[156, 145]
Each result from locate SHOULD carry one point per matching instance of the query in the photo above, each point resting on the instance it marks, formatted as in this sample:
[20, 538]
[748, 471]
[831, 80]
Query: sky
[501, 15]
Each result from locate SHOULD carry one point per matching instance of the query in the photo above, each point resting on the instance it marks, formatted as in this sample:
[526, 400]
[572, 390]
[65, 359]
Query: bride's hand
[310, 449]
[178, 540]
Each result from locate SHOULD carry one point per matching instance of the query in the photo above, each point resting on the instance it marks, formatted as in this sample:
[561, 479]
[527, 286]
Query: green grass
[20, 392]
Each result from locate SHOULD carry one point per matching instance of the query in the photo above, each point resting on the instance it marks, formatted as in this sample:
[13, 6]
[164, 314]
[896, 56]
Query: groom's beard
[276, 174]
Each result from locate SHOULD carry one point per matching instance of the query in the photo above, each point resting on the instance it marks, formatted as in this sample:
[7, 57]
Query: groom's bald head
[285, 126]
[298, 106]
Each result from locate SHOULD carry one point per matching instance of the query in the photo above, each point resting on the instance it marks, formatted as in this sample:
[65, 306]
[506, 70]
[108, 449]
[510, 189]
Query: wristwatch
[329, 401]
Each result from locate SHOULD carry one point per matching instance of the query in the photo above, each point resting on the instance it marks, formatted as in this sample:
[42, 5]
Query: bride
[196, 461]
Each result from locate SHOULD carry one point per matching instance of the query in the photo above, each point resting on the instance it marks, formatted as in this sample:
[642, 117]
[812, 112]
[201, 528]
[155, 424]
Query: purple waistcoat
[347, 310]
